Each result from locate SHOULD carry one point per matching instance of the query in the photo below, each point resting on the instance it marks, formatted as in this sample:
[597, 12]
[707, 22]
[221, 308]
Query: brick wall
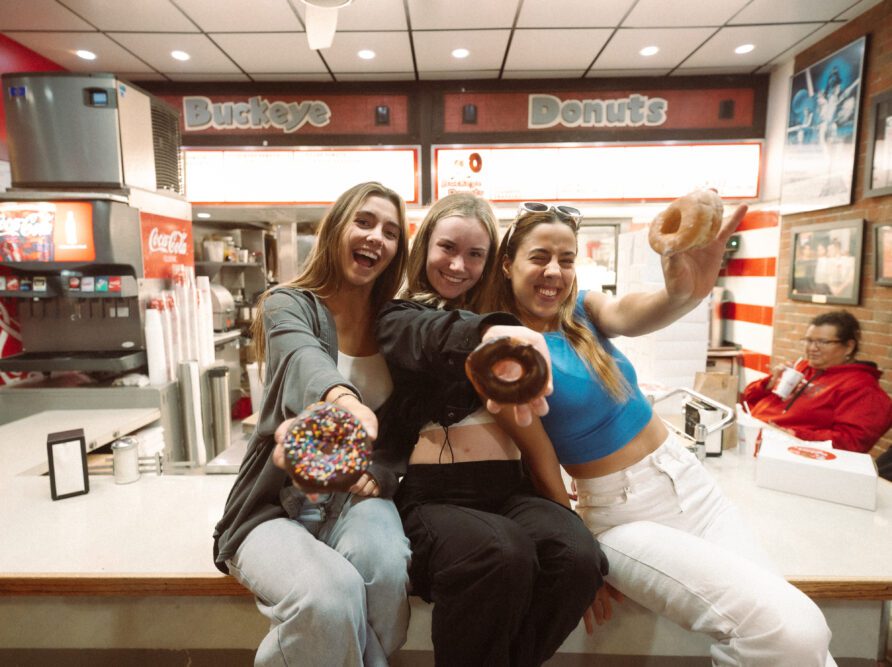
[875, 308]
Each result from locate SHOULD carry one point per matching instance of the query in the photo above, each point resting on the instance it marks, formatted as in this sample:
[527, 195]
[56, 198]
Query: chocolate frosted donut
[689, 222]
[482, 364]
[327, 448]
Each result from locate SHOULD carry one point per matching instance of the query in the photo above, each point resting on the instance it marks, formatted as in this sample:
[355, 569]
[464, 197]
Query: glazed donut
[689, 222]
[482, 367]
[326, 448]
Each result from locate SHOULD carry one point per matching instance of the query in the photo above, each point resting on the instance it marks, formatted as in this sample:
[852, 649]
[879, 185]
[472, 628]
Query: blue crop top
[584, 421]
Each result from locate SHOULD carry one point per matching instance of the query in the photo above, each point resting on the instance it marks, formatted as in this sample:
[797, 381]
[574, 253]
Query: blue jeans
[332, 581]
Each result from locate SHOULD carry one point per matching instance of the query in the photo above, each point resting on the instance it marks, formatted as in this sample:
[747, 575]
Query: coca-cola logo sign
[166, 242]
[171, 243]
[31, 224]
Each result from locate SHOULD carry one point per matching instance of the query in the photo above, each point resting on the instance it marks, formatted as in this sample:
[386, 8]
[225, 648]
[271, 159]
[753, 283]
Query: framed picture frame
[883, 254]
[878, 171]
[826, 265]
[67, 457]
[822, 123]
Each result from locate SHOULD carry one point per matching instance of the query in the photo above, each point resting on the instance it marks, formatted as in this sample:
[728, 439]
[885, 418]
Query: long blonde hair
[418, 287]
[323, 273]
[500, 296]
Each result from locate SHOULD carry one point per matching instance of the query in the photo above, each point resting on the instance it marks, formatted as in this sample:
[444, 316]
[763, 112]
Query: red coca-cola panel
[165, 242]
[46, 232]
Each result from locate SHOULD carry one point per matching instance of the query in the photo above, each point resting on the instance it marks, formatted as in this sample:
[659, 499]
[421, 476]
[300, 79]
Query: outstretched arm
[689, 276]
[539, 455]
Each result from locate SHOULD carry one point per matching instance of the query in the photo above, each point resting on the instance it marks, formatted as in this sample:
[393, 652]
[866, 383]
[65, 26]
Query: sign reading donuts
[632, 111]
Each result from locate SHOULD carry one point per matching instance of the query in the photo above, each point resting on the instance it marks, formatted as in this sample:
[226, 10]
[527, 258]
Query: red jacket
[844, 404]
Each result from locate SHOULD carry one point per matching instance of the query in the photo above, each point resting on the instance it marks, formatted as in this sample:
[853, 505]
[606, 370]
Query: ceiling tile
[270, 51]
[465, 74]
[675, 45]
[137, 77]
[38, 15]
[132, 16]
[858, 9]
[392, 52]
[769, 41]
[207, 76]
[60, 47]
[572, 13]
[807, 41]
[790, 11]
[711, 71]
[367, 15]
[627, 73]
[566, 48]
[303, 76]
[376, 76]
[253, 16]
[543, 74]
[459, 14]
[433, 50]
[679, 13]
[155, 48]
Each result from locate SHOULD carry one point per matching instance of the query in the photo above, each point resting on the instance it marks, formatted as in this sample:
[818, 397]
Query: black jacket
[425, 349]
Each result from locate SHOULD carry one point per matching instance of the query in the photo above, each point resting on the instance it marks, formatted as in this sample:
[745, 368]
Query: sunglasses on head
[562, 211]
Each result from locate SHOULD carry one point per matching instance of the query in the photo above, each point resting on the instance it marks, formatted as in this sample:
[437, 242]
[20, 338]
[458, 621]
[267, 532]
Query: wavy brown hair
[466, 205]
[323, 273]
[500, 296]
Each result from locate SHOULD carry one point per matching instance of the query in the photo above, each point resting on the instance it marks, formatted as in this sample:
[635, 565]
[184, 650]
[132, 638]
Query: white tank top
[368, 374]
[479, 416]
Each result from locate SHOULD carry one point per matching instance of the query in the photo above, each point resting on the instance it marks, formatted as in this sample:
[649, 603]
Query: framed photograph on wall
[826, 266]
[883, 254]
[878, 174]
[821, 141]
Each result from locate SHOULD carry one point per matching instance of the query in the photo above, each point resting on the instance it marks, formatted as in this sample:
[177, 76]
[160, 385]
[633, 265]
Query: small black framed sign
[66, 453]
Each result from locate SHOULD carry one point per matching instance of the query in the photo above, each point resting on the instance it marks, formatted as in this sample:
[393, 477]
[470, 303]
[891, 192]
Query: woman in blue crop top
[675, 544]
[509, 573]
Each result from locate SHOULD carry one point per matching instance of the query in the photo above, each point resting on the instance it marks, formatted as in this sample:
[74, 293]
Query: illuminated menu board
[610, 172]
[46, 232]
[299, 176]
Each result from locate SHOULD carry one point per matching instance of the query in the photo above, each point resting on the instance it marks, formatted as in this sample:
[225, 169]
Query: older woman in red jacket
[839, 398]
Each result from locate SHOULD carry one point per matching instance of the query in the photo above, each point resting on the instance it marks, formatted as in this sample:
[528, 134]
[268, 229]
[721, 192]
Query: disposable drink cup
[788, 381]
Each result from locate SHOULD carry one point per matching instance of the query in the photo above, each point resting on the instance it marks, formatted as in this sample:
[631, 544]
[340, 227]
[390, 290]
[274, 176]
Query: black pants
[509, 573]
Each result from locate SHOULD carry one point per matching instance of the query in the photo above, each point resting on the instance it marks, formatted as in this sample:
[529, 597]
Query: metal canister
[125, 459]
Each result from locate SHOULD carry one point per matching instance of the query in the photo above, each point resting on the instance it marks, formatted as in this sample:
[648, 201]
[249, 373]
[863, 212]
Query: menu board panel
[300, 176]
[609, 172]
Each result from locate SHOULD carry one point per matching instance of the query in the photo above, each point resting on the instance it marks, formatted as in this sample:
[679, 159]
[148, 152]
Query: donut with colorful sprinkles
[326, 448]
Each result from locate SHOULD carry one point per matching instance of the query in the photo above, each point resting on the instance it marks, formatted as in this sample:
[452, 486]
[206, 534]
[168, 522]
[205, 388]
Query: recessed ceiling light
[460, 53]
[180, 55]
[366, 54]
[86, 55]
[649, 50]
[744, 48]
[202, 215]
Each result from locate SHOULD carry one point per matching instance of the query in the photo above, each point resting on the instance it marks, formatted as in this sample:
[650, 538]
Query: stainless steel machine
[94, 220]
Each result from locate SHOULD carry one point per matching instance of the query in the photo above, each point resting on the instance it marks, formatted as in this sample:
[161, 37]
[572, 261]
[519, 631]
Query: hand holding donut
[327, 448]
[691, 262]
[512, 366]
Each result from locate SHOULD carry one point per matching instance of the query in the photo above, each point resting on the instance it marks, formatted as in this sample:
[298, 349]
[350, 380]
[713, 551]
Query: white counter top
[163, 524]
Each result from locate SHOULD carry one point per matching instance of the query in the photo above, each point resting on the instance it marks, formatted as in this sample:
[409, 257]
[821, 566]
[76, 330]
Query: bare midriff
[475, 442]
[649, 439]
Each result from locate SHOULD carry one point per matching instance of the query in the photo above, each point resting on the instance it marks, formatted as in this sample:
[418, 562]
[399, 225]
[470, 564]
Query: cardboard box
[815, 470]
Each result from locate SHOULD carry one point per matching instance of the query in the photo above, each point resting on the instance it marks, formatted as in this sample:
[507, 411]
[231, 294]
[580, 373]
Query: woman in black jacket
[509, 573]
